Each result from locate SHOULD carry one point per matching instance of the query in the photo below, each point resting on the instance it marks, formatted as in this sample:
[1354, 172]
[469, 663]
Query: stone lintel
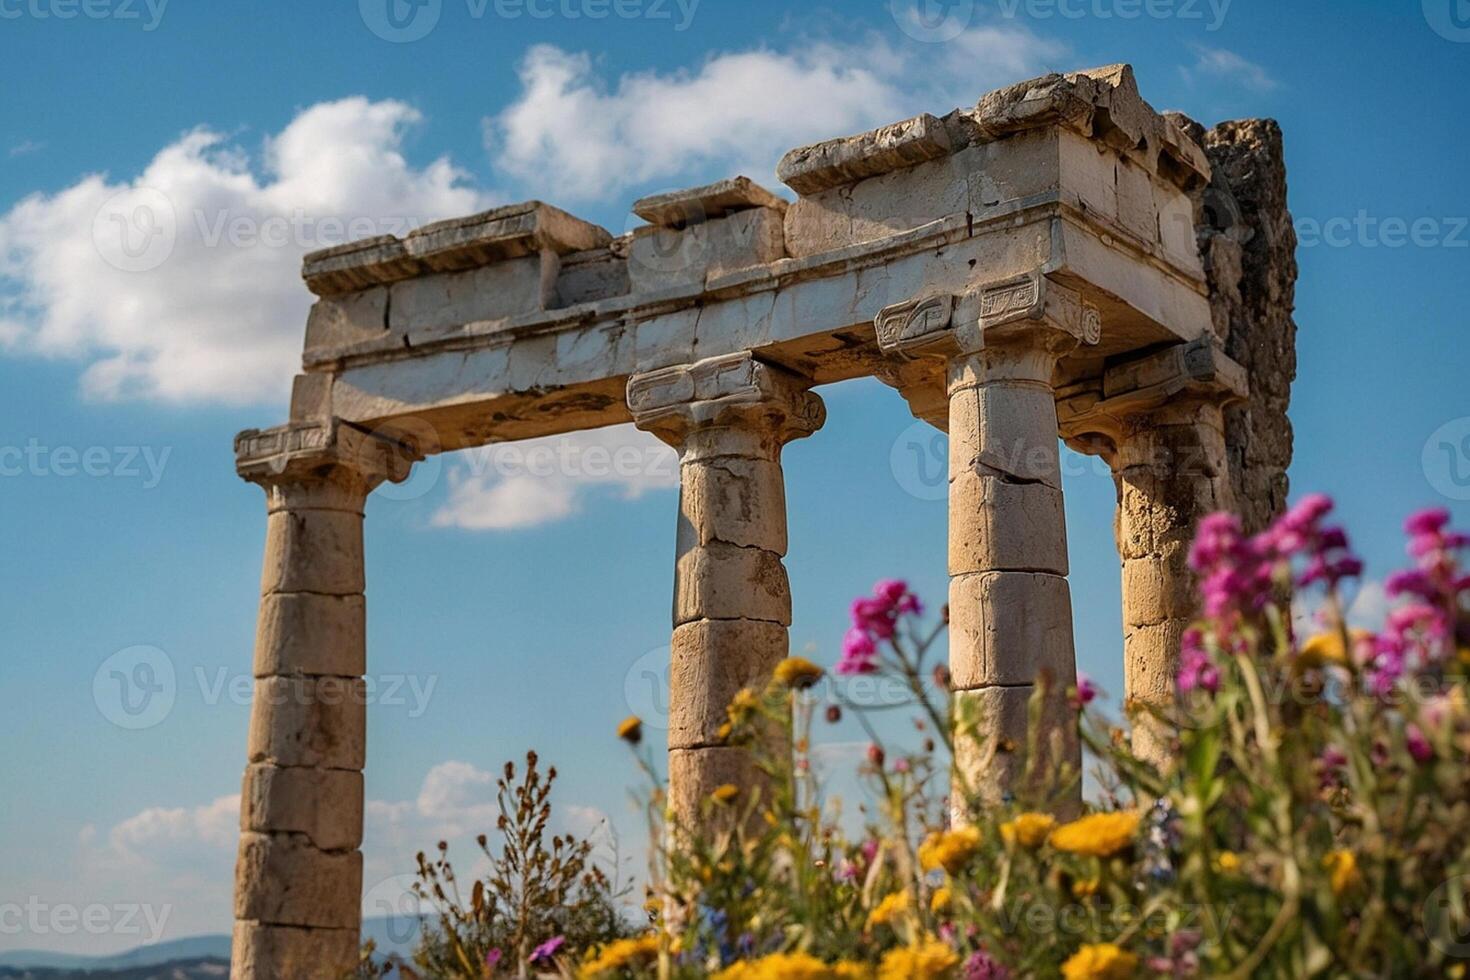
[681, 208]
[447, 246]
[1182, 375]
[710, 391]
[306, 449]
[834, 162]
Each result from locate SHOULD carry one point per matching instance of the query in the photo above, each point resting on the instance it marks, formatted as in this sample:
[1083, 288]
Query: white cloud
[584, 137]
[1228, 66]
[525, 484]
[181, 284]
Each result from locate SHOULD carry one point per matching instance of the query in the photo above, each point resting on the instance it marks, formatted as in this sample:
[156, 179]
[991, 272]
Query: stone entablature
[1042, 264]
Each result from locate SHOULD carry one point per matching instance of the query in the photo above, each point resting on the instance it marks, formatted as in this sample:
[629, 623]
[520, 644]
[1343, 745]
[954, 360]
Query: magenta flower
[874, 620]
[982, 966]
[1418, 745]
[492, 959]
[544, 954]
[1197, 669]
[1086, 690]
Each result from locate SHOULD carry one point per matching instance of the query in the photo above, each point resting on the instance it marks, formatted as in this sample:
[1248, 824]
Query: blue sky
[508, 610]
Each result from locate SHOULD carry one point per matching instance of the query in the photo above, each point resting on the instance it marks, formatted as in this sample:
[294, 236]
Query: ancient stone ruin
[1058, 260]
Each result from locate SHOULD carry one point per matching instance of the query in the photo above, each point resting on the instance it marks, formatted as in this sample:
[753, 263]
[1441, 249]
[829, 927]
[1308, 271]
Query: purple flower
[1418, 745]
[542, 955]
[492, 958]
[1197, 670]
[1086, 690]
[982, 966]
[1431, 520]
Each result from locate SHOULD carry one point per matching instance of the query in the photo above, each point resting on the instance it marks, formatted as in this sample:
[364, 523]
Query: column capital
[1187, 384]
[331, 462]
[732, 392]
[1025, 314]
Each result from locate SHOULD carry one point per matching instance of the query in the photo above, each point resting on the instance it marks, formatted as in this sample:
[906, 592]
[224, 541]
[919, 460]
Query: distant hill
[194, 958]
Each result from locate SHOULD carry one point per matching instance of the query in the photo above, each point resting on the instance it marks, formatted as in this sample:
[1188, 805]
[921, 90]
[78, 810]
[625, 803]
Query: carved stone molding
[329, 449]
[724, 390]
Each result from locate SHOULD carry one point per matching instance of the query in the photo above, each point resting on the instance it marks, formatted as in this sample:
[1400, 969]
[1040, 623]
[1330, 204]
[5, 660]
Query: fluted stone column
[1009, 604]
[298, 880]
[728, 418]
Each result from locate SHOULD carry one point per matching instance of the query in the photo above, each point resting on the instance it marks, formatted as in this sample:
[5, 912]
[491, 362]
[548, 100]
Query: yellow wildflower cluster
[890, 908]
[619, 955]
[1030, 830]
[792, 966]
[630, 729]
[1342, 871]
[798, 672]
[1098, 834]
[949, 849]
[929, 960]
[1100, 961]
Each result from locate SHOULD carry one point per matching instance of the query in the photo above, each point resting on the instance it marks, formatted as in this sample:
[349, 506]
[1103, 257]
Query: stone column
[1009, 604]
[728, 417]
[298, 880]
[1162, 430]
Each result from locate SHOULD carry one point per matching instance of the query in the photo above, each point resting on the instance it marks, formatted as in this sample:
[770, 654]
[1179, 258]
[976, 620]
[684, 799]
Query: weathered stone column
[728, 417]
[298, 880]
[1162, 430]
[1009, 604]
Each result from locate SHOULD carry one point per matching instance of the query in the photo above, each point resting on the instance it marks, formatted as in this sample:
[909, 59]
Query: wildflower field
[1313, 819]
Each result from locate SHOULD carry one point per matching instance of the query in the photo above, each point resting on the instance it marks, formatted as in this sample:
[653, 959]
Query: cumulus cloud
[583, 136]
[525, 484]
[1223, 65]
[181, 283]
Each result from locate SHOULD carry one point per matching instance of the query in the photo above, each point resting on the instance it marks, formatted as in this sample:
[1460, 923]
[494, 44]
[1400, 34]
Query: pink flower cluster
[1238, 574]
[1421, 632]
[875, 620]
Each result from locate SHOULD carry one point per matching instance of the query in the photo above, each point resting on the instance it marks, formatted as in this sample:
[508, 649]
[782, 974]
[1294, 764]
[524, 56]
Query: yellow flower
[1327, 648]
[725, 794]
[1098, 834]
[940, 900]
[1030, 830]
[780, 966]
[949, 849]
[623, 953]
[630, 730]
[1342, 871]
[851, 971]
[889, 909]
[1085, 887]
[798, 672]
[742, 705]
[1100, 961]
[929, 960]
[1227, 862]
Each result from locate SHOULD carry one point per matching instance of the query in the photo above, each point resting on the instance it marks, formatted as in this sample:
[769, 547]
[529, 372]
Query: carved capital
[1029, 310]
[1189, 383]
[734, 391]
[327, 458]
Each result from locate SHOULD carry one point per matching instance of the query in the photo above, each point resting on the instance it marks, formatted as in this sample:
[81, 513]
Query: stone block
[995, 525]
[696, 773]
[587, 277]
[736, 500]
[309, 721]
[310, 633]
[1156, 589]
[724, 581]
[271, 952]
[451, 299]
[993, 759]
[1151, 661]
[313, 551]
[337, 322]
[846, 160]
[324, 804]
[711, 661]
[1005, 628]
[281, 879]
[661, 258]
[1007, 430]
